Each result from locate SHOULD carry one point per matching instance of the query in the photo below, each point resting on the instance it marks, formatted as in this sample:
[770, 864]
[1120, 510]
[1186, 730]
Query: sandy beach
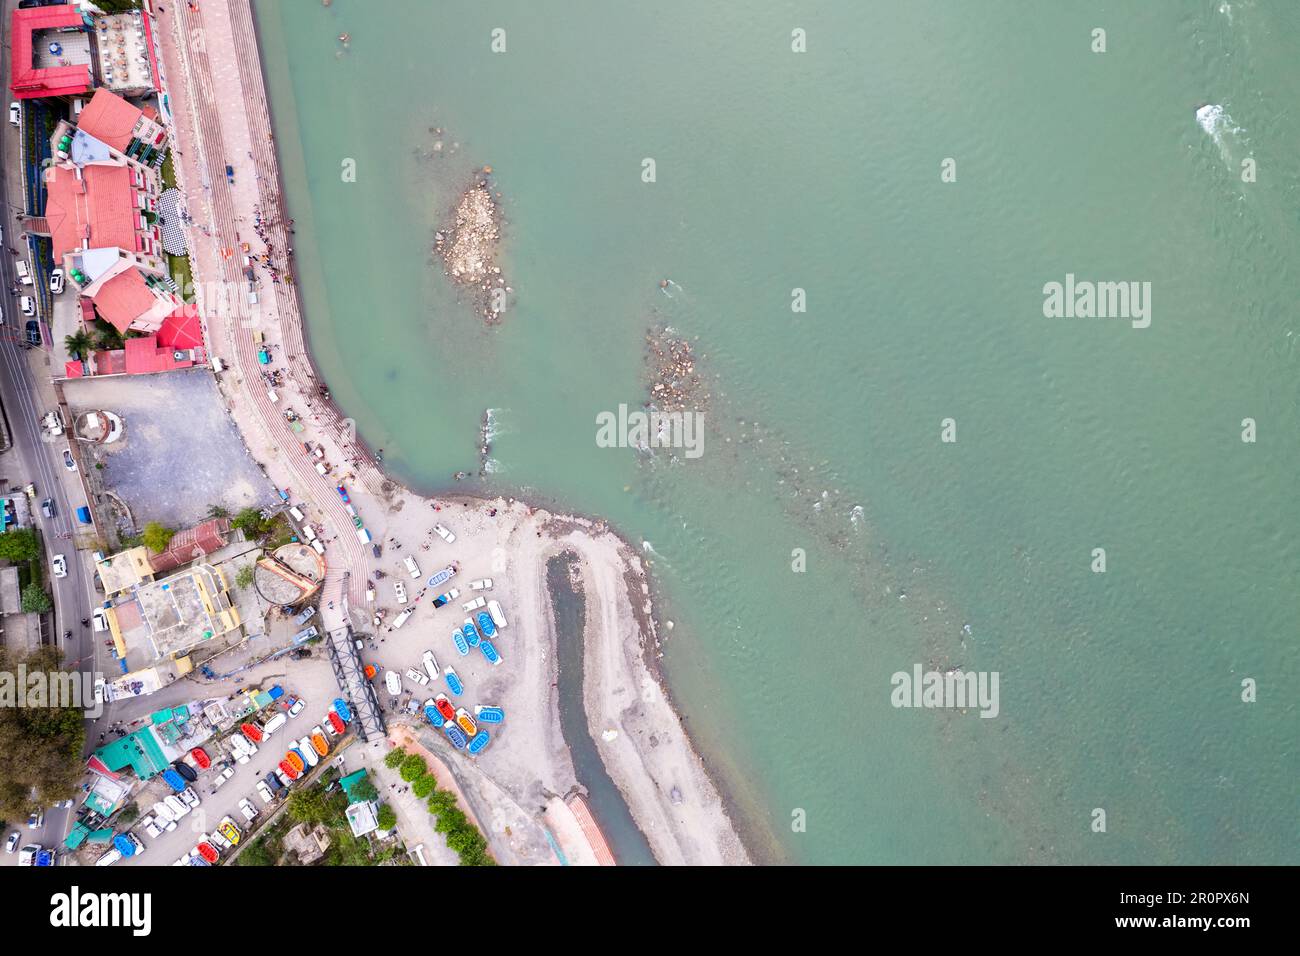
[516, 788]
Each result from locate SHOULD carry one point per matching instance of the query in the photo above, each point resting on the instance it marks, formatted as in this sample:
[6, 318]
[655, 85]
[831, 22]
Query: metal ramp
[353, 686]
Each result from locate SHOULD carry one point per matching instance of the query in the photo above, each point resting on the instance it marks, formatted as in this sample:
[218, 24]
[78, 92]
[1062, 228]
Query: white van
[498, 615]
[308, 533]
[411, 567]
[24, 275]
[403, 618]
[297, 514]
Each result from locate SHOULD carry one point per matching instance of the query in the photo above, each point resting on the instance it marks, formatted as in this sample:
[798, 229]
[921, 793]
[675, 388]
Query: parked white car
[56, 281]
[28, 305]
[482, 584]
[444, 533]
[264, 792]
[59, 565]
[15, 114]
[220, 780]
[247, 809]
[400, 589]
[474, 605]
[99, 619]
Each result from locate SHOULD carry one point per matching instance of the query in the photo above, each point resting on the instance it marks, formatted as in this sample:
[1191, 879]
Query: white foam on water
[1212, 118]
[492, 426]
[1215, 121]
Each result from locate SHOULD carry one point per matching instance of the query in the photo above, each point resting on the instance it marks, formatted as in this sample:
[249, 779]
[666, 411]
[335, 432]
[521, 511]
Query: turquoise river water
[822, 171]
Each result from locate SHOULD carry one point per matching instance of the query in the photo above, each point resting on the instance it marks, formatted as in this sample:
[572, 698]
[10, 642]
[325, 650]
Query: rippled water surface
[821, 171]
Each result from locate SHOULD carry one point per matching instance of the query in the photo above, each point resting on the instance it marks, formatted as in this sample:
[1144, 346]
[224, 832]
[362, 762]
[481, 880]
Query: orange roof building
[35, 71]
[123, 127]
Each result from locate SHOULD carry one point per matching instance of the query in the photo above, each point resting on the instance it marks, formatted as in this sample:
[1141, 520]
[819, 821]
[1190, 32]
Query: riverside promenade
[218, 101]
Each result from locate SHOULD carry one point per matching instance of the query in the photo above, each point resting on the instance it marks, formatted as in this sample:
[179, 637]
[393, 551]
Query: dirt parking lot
[180, 452]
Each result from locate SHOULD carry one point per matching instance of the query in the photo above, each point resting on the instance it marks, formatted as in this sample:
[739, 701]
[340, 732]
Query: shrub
[441, 800]
[413, 768]
[424, 786]
[35, 600]
[157, 536]
[19, 544]
[387, 818]
[449, 821]
[394, 758]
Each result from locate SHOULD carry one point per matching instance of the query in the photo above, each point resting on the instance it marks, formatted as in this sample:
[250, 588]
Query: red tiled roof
[26, 80]
[143, 356]
[153, 60]
[191, 544]
[73, 369]
[95, 210]
[123, 299]
[110, 119]
[110, 363]
[182, 329]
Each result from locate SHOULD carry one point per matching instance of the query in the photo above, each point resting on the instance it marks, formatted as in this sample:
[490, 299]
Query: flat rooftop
[179, 610]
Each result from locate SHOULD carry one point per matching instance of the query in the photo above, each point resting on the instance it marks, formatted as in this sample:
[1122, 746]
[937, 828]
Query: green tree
[79, 344]
[364, 790]
[19, 545]
[244, 577]
[40, 745]
[463, 840]
[394, 758]
[35, 600]
[413, 768]
[251, 522]
[107, 337]
[157, 536]
[450, 820]
[311, 805]
[424, 786]
[441, 801]
[387, 818]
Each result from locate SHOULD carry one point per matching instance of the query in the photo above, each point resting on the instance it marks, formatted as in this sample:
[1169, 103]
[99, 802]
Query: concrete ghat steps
[346, 552]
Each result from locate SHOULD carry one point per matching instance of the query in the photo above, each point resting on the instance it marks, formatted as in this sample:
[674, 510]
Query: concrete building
[130, 132]
[136, 566]
[157, 624]
[52, 52]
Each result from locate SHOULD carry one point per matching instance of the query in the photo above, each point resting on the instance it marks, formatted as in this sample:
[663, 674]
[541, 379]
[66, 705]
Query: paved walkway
[221, 119]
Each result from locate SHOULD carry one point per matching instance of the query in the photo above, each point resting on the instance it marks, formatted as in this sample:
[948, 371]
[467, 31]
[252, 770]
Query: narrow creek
[625, 839]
